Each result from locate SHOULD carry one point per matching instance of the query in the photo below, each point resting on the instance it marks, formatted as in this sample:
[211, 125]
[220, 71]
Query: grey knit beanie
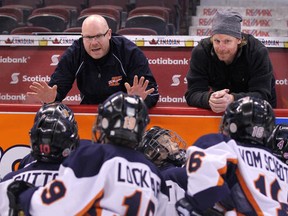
[227, 22]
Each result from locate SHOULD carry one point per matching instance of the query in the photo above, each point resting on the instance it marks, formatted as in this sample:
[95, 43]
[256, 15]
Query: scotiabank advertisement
[168, 58]
[170, 71]
[23, 65]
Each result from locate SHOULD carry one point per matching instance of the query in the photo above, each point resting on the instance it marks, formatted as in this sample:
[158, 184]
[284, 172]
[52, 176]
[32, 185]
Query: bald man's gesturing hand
[42, 91]
[139, 87]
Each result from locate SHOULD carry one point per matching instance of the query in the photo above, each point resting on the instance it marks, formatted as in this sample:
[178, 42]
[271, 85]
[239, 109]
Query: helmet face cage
[248, 119]
[161, 145]
[122, 119]
[53, 138]
[279, 142]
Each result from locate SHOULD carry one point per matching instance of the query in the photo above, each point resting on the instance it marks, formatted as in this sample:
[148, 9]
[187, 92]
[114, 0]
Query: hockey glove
[13, 191]
[184, 208]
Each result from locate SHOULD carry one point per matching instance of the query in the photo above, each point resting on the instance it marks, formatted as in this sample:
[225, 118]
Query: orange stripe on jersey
[95, 202]
[234, 161]
[223, 170]
[220, 181]
[248, 194]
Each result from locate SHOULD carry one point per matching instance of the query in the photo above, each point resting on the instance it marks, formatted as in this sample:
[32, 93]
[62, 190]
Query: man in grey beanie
[229, 65]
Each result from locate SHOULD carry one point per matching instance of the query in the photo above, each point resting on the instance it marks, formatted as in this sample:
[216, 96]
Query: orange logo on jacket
[115, 81]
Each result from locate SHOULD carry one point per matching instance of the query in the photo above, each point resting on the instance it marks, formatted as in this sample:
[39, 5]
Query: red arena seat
[73, 6]
[55, 19]
[10, 18]
[153, 18]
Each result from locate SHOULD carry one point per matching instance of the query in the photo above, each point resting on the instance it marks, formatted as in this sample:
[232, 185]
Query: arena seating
[261, 18]
[10, 18]
[55, 19]
[191, 17]
[156, 18]
[27, 6]
[73, 6]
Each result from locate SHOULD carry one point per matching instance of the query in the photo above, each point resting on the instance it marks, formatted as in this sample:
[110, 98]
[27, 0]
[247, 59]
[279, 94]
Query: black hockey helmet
[122, 119]
[53, 138]
[56, 108]
[279, 142]
[248, 119]
[162, 145]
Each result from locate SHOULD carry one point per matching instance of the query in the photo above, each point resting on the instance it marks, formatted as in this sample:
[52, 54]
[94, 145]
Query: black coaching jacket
[98, 79]
[250, 74]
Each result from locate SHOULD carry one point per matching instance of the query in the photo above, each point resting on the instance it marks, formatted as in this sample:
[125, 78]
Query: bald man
[102, 63]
